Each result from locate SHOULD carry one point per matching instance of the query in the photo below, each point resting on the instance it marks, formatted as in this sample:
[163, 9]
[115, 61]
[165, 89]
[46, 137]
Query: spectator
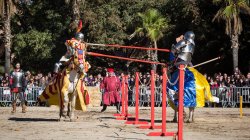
[91, 81]
[28, 75]
[237, 71]
[42, 82]
[247, 80]
[225, 77]
[228, 82]
[157, 81]
[214, 84]
[5, 80]
[221, 80]
[30, 85]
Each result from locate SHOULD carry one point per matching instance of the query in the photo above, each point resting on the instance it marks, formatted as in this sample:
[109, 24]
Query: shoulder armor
[180, 45]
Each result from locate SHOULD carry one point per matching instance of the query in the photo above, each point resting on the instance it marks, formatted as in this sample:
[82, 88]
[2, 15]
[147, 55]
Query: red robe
[111, 86]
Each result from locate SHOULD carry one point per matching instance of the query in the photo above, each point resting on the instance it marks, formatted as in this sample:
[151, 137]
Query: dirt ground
[41, 123]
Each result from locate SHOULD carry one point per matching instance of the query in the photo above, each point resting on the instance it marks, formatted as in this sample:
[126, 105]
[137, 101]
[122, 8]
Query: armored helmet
[79, 36]
[189, 36]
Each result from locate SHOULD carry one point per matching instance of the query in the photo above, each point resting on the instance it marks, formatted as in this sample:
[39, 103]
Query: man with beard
[18, 85]
[111, 85]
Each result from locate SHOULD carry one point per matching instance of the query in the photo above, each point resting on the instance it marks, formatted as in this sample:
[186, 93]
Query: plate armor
[18, 79]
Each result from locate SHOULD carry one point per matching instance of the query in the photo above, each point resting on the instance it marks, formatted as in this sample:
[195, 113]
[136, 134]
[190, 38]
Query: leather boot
[104, 108]
[13, 107]
[23, 108]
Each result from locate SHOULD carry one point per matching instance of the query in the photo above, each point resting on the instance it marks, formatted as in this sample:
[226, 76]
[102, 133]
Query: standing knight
[18, 85]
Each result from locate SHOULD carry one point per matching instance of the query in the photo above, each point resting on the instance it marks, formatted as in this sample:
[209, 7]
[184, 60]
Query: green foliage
[153, 23]
[230, 12]
[44, 25]
[32, 48]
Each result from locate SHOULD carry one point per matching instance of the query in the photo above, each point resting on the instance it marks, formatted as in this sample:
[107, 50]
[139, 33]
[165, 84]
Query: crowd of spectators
[217, 80]
[38, 80]
[224, 80]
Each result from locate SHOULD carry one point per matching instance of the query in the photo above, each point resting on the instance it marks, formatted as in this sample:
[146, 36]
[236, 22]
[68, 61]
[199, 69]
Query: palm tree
[7, 8]
[153, 25]
[230, 13]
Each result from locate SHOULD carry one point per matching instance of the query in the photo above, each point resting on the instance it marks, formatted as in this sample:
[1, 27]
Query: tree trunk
[7, 35]
[75, 6]
[235, 47]
[76, 11]
[155, 57]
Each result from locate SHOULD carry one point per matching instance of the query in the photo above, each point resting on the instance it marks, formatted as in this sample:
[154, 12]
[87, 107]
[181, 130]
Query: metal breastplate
[188, 48]
[17, 79]
[186, 56]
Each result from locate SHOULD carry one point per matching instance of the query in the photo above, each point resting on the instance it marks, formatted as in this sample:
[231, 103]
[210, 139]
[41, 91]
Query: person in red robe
[111, 86]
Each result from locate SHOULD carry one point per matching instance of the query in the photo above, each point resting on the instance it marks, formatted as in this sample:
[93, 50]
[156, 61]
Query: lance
[206, 62]
[123, 58]
[129, 47]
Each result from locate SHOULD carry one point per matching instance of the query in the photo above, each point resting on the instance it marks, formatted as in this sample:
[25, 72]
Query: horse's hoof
[188, 121]
[72, 120]
[175, 120]
[60, 120]
[64, 115]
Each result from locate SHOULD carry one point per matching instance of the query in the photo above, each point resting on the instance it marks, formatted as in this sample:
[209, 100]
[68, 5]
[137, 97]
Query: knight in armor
[18, 85]
[184, 48]
[74, 46]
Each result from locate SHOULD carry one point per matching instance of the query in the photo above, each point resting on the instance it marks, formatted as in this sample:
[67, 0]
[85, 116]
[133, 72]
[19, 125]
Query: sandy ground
[41, 123]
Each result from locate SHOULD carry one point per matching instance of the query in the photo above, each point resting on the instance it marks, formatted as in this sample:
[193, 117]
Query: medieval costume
[111, 85]
[75, 46]
[18, 86]
[196, 87]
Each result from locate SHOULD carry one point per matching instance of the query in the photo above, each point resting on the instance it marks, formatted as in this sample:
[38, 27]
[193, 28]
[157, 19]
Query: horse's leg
[65, 104]
[191, 114]
[175, 116]
[72, 107]
[60, 108]
[69, 104]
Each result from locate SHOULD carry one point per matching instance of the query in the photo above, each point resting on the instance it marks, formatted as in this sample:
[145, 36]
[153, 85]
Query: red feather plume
[79, 26]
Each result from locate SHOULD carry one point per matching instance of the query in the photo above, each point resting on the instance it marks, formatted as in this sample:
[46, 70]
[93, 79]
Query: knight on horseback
[72, 45]
[184, 48]
[68, 81]
[196, 87]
